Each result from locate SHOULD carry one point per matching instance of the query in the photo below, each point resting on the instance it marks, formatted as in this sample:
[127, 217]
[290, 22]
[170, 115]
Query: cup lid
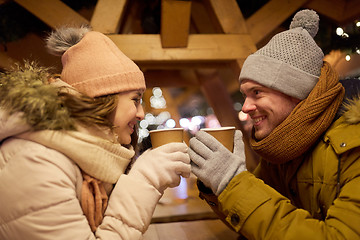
[166, 129]
[217, 129]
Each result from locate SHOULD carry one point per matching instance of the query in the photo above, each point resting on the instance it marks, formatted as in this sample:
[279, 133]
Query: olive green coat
[313, 197]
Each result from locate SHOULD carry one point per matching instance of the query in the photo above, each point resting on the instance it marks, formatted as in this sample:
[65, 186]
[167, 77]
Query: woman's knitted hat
[92, 63]
[291, 61]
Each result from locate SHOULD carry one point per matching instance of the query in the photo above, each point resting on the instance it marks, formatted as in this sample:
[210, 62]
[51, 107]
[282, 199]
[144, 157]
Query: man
[307, 184]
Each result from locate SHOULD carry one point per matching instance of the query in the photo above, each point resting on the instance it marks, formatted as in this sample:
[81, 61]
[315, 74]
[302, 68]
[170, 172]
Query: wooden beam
[333, 9]
[54, 13]
[7, 62]
[169, 78]
[183, 65]
[352, 10]
[201, 19]
[229, 16]
[175, 23]
[201, 47]
[107, 15]
[131, 22]
[236, 68]
[270, 16]
[232, 22]
[218, 97]
[340, 11]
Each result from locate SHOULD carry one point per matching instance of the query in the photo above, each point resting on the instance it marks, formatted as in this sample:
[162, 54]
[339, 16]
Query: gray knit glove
[213, 163]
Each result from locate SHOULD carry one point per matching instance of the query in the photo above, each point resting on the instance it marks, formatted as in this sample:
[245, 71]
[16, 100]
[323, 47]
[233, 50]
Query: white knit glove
[213, 163]
[162, 166]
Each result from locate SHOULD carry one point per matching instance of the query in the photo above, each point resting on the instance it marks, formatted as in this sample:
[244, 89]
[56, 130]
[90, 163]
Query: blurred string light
[170, 123]
[339, 31]
[164, 120]
[157, 100]
[350, 39]
[151, 120]
[192, 124]
[184, 122]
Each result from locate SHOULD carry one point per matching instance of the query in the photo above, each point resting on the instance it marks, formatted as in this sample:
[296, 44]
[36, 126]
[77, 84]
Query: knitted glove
[213, 163]
[162, 166]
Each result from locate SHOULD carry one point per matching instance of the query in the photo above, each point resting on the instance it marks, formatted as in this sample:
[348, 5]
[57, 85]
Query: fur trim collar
[28, 91]
[352, 110]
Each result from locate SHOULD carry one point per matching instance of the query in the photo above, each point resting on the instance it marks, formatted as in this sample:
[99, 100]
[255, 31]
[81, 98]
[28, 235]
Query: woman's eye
[137, 100]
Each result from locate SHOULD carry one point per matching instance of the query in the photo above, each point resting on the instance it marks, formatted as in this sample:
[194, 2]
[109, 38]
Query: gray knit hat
[291, 61]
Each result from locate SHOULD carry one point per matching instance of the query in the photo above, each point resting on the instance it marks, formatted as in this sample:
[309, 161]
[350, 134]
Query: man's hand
[213, 163]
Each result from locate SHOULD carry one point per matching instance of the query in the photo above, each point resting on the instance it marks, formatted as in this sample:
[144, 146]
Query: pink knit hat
[93, 64]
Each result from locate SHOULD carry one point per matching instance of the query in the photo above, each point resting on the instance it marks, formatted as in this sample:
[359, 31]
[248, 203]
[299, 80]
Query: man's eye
[256, 92]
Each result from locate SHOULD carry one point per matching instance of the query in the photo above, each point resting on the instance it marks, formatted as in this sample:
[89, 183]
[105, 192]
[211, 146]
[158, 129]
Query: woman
[67, 144]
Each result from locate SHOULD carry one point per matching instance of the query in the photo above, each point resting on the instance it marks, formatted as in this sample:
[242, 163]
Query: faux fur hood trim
[352, 110]
[27, 90]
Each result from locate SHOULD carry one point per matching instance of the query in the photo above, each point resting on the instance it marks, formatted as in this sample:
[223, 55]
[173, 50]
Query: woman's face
[126, 114]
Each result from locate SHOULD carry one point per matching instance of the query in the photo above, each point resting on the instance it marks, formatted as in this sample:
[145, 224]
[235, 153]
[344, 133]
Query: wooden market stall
[197, 39]
[200, 47]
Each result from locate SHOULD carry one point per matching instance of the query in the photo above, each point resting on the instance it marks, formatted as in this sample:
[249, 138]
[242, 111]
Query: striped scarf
[303, 127]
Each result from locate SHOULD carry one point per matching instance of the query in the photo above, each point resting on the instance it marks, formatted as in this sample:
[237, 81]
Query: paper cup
[225, 135]
[163, 136]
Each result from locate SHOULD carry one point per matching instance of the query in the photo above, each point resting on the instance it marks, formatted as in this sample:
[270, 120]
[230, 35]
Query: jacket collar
[344, 134]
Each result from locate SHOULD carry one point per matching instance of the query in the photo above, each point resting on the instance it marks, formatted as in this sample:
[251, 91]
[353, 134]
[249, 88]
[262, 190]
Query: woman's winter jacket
[41, 183]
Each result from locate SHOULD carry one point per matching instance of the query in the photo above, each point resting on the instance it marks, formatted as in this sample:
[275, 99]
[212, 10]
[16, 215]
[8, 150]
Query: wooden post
[175, 23]
[107, 15]
[6, 62]
[54, 13]
[218, 98]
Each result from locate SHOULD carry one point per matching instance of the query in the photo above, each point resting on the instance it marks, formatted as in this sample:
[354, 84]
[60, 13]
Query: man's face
[266, 107]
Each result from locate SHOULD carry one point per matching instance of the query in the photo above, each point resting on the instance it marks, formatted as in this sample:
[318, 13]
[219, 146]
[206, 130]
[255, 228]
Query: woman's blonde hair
[92, 111]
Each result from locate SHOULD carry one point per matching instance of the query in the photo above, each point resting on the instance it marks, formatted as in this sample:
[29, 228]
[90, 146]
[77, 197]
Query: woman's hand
[163, 166]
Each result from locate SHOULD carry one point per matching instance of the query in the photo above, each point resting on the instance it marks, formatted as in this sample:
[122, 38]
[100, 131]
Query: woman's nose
[140, 112]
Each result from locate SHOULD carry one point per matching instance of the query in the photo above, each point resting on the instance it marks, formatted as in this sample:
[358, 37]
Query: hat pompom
[307, 19]
[60, 40]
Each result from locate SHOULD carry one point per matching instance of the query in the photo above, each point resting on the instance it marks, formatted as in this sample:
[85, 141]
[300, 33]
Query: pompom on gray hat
[291, 61]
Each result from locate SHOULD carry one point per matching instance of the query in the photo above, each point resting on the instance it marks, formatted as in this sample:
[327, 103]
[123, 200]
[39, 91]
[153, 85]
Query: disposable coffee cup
[225, 135]
[160, 137]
